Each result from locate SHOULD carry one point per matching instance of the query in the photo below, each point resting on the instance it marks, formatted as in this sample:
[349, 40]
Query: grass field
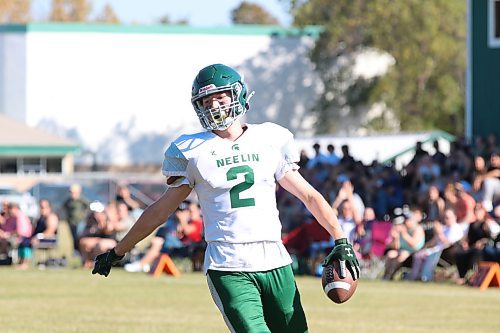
[70, 300]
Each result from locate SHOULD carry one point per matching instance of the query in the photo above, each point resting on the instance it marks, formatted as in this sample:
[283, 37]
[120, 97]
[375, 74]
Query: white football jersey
[236, 187]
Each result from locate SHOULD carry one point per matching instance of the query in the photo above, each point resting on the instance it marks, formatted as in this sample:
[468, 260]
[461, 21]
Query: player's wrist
[341, 241]
[117, 253]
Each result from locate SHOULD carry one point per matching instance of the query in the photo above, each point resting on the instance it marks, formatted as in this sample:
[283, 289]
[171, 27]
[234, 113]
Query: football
[337, 289]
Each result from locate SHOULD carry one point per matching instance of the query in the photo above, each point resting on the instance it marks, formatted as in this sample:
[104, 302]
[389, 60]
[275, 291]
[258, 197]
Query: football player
[234, 167]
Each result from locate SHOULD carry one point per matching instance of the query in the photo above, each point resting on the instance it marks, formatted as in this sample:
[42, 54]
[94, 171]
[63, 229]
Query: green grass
[72, 300]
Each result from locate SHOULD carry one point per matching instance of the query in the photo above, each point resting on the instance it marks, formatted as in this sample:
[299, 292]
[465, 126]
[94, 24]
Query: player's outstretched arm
[294, 183]
[152, 217]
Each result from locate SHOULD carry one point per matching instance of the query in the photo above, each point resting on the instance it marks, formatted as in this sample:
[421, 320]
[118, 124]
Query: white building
[124, 91]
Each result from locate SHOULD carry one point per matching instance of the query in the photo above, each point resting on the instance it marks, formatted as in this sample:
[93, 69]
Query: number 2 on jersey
[235, 191]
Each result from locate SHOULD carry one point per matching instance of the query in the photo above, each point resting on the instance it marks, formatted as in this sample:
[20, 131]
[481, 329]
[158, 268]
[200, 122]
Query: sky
[199, 13]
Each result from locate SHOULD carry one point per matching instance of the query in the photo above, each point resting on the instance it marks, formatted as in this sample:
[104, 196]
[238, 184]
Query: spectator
[46, 225]
[304, 159]
[435, 205]
[438, 157]
[123, 196]
[407, 237]
[196, 244]
[348, 214]
[486, 180]
[471, 247]
[75, 209]
[98, 234]
[23, 232]
[124, 220]
[347, 158]
[462, 203]
[7, 231]
[318, 157]
[428, 173]
[425, 260]
[331, 158]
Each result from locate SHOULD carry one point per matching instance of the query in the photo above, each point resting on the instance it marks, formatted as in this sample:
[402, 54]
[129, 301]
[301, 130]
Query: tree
[108, 15]
[425, 87]
[70, 11]
[251, 13]
[15, 11]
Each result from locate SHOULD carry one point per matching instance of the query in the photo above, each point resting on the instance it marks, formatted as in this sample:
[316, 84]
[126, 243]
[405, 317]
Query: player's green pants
[258, 301]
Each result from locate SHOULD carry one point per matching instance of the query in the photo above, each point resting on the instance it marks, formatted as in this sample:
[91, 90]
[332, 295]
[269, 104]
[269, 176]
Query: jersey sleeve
[175, 164]
[289, 153]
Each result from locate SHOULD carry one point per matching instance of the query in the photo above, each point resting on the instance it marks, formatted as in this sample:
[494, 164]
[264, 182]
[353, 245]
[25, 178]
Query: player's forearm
[149, 220]
[324, 214]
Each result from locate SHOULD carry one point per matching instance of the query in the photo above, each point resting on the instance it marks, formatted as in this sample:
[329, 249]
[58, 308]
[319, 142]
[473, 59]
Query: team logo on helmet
[206, 88]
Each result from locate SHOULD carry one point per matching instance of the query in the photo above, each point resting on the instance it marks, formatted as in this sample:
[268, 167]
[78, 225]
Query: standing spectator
[426, 260]
[331, 158]
[303, 160]
[347, 159]
[438, 157]
[318, 157]
[75, 209]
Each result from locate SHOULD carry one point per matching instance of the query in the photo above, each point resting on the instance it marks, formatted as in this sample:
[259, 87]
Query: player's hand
[104, 261]
[344, 253]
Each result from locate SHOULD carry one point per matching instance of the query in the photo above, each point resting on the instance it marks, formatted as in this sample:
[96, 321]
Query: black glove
[344, 253]
[104, 261]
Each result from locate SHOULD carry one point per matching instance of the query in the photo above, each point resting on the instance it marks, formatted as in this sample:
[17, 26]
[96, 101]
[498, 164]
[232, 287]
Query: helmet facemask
[222, 116]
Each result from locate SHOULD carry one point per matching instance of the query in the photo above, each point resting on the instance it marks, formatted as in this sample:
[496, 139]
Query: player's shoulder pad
[187, 145]
[278, 133]
[181, 150]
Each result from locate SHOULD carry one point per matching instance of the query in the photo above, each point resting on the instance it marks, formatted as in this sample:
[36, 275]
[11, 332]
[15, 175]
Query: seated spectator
[407, 237]
[348, 214]
[22, 233]
[461, 202]
[192, 237]
[123, 196]
[124, 220]
[98, 235]
[425, 261]
[434, 204]
[46, 225]
[7, 232]
[480, 233]
[486, 180]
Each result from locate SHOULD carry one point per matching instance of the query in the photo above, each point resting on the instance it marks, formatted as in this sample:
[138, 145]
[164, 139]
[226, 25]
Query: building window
[54, 165]
[8, 165]
[494, 23]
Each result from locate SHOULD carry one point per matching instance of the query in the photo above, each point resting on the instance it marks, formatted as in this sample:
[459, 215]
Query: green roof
[433, 136]
[37, 150]
[262, 30]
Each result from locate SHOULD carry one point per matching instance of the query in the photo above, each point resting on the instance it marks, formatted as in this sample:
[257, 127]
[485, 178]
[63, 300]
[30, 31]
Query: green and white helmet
[218, 78]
